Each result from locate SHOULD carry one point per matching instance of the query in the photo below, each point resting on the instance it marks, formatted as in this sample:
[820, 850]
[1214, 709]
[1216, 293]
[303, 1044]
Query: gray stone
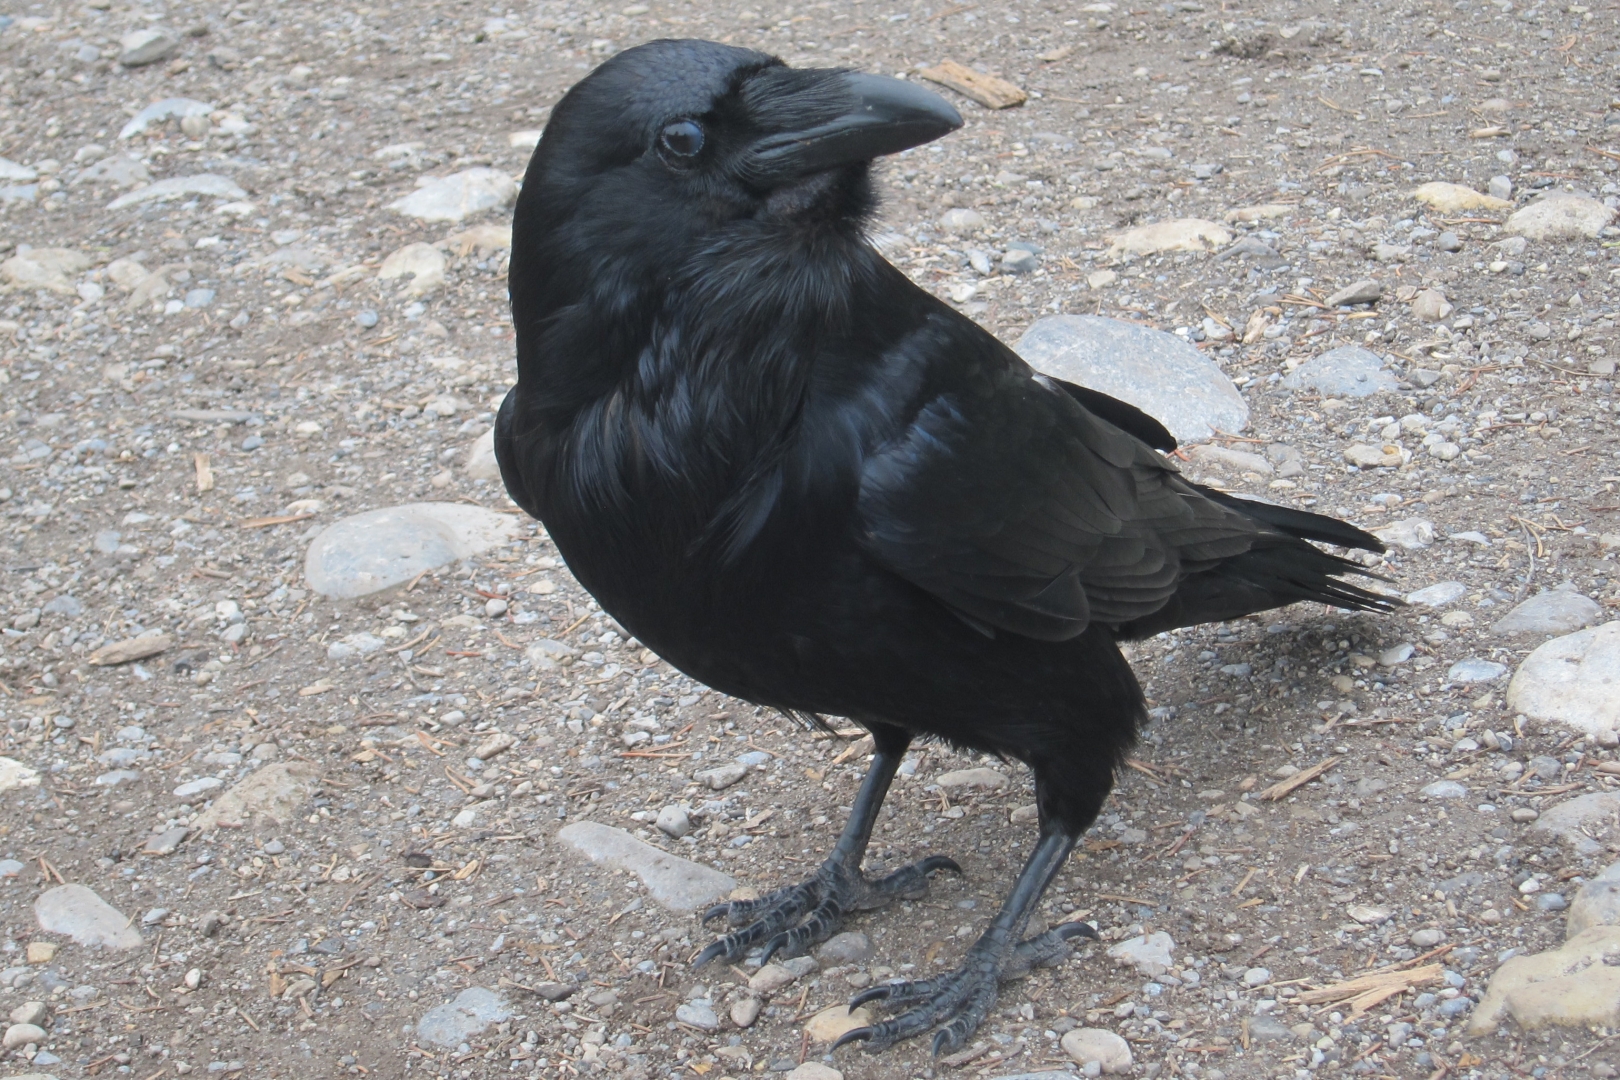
[699, 1014]
[1474, 670]
[1444, 789]
[1557, 611]
[678, 884]
[1365, 291]
[77, 912]
[65, 606]
[1448, 241]
[120, 170]
[459, 195]
[722, 776]
[378, 549]
[674, 821]
[1559, 215]
[986, 779]
[1430, 305]
[422, 265]
[1582, 821]
[1597, 903]
[1438, 595]
[1500, 187]
[181, 187]
[481, 463]
[1020, 261]
[1348, 371]
[199, 786]
[150, 46]
[1157, 372]
[1572, 680]
[354, 647]
[166, 842]
[159, 111]
[453, 1023]
[1267, 1028]
[849, 947]
[10, 868]
[1427, 938]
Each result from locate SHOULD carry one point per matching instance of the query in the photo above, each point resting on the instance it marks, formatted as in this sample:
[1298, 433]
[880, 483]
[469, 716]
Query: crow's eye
[683, 138]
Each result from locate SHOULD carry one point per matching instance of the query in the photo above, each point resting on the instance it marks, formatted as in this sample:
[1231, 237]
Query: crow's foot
[789, 920]
[957, 1003]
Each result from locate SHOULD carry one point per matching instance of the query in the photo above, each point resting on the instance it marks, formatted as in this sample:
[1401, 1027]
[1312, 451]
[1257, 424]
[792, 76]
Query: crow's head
[673, 139]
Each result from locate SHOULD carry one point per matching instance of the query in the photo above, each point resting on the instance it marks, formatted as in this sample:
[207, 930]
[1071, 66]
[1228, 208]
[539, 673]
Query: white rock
[527, 139]
[959, 221]
[44, 268]
[814, 1070]
[674, 821]
[1473, 670]
[166, 109]
[1438, 595]
[77, 912]
[676, 883]
[424, 264]
[1157, 372]
[20, 1035]
[1348, 371]
[369, 552]
[1559, 216]
[1583, 821]
[1444, 789]
[119, 170]
[198, 786]
[1241, 460]
[481, 463]
[454, 197]
[13, 173]
[180, 187]
[1573, 986]
[272, 794]
[722, 776]
[1413, 534]
[149, 46]
[14, 774]
[1108, 1050]
[983, 778]
[1572, 680]
[1182, 234]
[453, 1023]
[1151, 954]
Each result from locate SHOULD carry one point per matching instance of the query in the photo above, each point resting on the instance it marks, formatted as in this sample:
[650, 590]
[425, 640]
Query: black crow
[808, 483]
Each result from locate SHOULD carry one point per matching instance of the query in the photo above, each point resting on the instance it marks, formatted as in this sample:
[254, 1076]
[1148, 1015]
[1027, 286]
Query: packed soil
[169, 456]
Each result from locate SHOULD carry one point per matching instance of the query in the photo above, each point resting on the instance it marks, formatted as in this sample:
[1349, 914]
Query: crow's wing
[1018, 507]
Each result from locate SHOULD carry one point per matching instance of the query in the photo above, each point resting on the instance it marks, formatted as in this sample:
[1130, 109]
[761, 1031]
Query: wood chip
[1304, 776]
[131, 649]
[205, 473]
[1366, 991]
[987, 90]
[279, 519]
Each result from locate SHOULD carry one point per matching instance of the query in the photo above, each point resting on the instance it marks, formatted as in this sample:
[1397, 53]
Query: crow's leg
[961, 1000]
[791, 919]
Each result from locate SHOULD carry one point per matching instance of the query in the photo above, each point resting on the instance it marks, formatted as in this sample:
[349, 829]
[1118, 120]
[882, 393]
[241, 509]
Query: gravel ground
[194, 383]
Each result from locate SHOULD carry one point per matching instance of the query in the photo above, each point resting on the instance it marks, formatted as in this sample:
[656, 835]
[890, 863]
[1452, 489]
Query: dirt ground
[313, 389]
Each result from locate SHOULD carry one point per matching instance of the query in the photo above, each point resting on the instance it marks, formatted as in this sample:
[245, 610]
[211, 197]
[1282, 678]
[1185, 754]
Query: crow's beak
[885, 116]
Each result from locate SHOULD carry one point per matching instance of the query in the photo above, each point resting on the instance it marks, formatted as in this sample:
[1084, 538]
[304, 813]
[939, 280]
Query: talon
[942, 1042]
[715, 912]
[1076, 928]
[938, 862]
[771, 947]
[871, 993]
[859, 1034]
[715, 950]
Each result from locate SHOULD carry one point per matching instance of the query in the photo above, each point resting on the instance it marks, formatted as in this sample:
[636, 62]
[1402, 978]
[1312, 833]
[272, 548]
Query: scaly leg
[789, 920]
[961, 1000]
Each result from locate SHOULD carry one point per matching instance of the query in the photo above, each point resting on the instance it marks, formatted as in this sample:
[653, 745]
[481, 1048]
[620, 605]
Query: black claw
[871, 993]
[938, 862]
[715, 912]
[715, 950]
[942, 1041]
[853, 1035]
[1076, 928]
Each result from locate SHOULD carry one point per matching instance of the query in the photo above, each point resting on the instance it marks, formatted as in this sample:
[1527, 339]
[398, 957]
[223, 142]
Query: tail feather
[1276, 572]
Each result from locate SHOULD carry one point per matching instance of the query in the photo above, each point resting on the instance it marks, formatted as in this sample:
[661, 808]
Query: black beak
[882, 116]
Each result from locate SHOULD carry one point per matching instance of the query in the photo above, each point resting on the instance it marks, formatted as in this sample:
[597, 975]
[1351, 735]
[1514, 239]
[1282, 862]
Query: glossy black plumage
[809, 483]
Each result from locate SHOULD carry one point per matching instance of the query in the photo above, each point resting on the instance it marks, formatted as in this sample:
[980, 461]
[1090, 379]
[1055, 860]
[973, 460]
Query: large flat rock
[1157, 372]
[77, 912]
[676, 883]
[1573, 680]
[453, 1023]
[272, 794]
[379, 549]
